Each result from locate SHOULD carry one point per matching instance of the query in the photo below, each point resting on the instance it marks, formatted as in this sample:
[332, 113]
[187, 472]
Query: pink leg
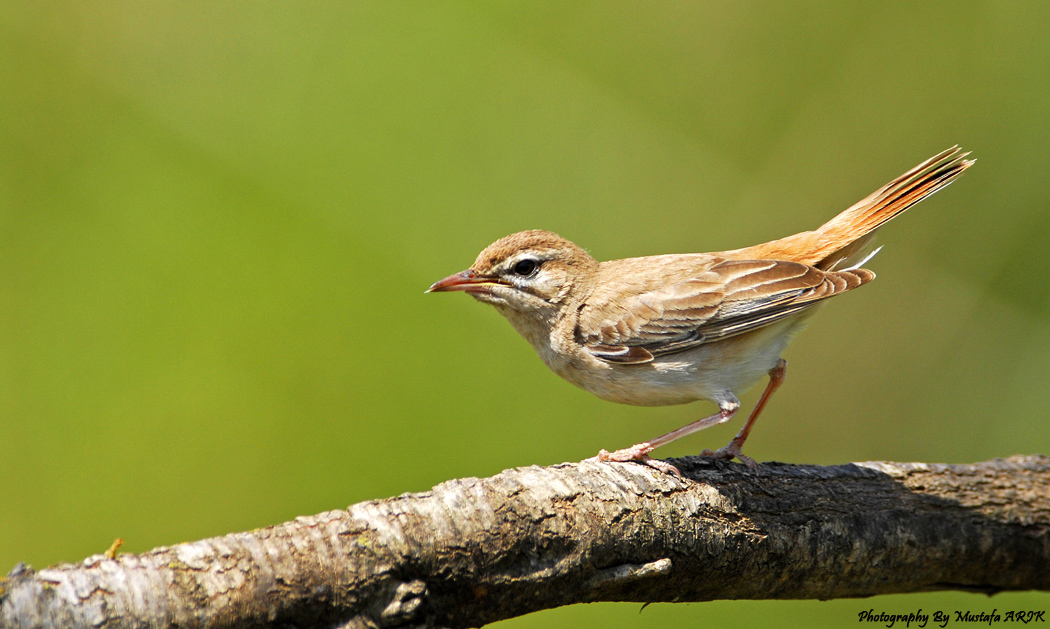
[732, 449]
[640, 452]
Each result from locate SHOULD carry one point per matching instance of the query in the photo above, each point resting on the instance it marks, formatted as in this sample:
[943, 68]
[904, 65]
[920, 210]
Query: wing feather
[730, 298]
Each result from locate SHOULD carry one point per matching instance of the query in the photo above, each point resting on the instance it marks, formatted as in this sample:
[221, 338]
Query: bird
[678, 328]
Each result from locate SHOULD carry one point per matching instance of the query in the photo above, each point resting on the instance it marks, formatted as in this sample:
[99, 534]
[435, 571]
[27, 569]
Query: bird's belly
[717, 371]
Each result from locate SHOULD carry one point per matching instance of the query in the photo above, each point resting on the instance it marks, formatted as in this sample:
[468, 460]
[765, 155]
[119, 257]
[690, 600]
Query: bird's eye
[526, 267]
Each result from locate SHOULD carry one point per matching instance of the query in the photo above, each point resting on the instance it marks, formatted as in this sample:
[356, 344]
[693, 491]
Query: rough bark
[472, 551]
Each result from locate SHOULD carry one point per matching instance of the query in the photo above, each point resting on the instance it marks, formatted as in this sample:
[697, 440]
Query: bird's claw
[640, 453]
[635, 453]
[729, 452]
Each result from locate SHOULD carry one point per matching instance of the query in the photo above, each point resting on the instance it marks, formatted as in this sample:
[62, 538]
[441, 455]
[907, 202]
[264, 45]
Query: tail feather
[843, 240]
[859, 221]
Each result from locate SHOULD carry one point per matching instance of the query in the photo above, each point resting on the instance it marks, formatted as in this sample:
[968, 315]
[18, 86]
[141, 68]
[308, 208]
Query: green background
[217, 222]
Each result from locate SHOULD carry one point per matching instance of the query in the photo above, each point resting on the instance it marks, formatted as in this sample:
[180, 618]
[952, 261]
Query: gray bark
[470, 551]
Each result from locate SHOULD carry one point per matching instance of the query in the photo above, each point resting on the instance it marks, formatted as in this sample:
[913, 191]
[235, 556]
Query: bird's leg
[640, 452]
[732, 449]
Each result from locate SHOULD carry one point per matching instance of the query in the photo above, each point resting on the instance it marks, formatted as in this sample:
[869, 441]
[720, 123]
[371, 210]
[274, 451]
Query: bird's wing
[730, 298]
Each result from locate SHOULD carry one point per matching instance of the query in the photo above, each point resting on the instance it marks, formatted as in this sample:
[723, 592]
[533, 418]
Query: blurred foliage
[217, 221]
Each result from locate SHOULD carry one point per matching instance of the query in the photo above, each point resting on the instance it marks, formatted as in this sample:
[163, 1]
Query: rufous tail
[842, 241]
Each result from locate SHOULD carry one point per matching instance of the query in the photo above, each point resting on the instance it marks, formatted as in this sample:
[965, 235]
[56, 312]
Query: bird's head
[529, 272]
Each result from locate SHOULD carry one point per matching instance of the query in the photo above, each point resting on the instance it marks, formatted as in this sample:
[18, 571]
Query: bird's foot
[635, 453]
[640, 453]
[729, 452]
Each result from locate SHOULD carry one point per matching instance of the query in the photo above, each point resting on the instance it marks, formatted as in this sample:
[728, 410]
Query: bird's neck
[544, 331]
[534, 326]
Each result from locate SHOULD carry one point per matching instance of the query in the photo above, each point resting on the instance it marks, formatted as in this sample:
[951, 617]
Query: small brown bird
[673, 329]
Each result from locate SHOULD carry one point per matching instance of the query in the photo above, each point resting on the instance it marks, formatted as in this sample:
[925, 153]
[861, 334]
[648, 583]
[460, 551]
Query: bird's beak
[468, 281]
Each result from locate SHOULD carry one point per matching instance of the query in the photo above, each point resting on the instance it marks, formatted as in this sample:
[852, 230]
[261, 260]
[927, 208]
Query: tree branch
[470, 551]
